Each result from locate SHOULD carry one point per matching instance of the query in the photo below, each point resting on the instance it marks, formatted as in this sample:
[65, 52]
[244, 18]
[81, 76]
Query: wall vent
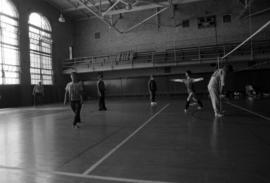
[97, 35]
[227, 18]
[207, 22]
[185, 23]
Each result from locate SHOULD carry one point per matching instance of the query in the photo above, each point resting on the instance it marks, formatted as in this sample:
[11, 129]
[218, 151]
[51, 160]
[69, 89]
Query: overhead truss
[105, 9]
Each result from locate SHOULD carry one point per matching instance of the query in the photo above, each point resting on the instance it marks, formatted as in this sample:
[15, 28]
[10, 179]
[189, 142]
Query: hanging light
[61, 18]
[128, 6]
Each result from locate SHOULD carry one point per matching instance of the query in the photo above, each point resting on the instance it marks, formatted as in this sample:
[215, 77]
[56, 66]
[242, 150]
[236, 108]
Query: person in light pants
[215, 87]
[73, 94]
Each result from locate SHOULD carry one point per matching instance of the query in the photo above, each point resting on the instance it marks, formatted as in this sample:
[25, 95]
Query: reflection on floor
[134, 142]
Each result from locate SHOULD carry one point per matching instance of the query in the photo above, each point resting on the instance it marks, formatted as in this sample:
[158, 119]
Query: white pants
[214, 95]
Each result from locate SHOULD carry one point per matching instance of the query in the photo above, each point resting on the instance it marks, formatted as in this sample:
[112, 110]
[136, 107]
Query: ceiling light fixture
[61, 18]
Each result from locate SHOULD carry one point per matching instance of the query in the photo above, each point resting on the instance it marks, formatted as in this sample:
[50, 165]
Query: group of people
[215, 88]
[74, 89]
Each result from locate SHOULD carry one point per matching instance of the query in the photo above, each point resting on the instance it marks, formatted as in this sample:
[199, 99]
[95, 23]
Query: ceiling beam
[160, 7]
[81, 10]
[259, 12]
[136, 8]
[110, 8]
[151, 5]
[97, 14]
[80, 7]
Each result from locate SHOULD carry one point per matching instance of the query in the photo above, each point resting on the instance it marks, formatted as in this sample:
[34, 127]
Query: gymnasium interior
[126, 42]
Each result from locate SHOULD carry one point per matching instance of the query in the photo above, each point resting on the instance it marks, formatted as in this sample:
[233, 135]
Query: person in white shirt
[73, 93]
[215, 87]
[38, 93]
[250, 91]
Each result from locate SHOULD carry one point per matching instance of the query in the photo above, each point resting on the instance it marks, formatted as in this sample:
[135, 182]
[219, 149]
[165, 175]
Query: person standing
[101, 93]
[152, 88]
[38, 93]
[73, 93]
[215, 87]
[190, 89]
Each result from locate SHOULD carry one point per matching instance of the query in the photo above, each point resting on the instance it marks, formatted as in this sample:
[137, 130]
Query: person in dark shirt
[190, 89]
[38, 93]
[101, 93]
[152, 88]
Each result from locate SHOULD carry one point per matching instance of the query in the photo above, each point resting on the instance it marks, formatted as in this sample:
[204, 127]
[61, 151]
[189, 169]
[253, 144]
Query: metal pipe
[110, 8]
[145, 20]
[259, 12]
[161, 4]
[98, 16]
[250, 37]
[124, 2]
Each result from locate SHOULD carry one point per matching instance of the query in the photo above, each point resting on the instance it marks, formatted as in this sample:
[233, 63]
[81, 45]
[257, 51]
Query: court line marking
[251, 112]
[77, 175]
[94, 166]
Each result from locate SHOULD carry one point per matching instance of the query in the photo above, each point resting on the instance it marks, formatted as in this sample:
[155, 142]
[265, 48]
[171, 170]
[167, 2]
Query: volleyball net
[247, 48]
[251, 65]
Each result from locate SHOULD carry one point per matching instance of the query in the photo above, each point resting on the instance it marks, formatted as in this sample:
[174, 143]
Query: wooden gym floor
[133, 142]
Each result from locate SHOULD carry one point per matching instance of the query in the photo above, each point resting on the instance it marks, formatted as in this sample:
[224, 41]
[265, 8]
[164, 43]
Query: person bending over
[215, 88]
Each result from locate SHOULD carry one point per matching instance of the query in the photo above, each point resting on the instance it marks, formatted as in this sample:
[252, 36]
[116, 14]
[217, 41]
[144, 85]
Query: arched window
[40, 35]
[9, 44]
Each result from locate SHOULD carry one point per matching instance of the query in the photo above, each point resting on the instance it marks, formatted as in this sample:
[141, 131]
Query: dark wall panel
[137, 86]
[113, 87]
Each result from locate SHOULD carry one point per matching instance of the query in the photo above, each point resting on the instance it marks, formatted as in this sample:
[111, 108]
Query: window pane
[39, 21]
[9, 51]
[40, 49]
[6, 7]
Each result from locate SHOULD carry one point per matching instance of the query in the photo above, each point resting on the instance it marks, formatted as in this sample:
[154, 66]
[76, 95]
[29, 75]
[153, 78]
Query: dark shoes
[102, 109]
[76, 126]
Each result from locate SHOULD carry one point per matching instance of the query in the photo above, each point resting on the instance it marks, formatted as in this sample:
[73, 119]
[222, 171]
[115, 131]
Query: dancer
[190, 89]
[74, 95]
[152, 88]
[215, 87]
[250, 91]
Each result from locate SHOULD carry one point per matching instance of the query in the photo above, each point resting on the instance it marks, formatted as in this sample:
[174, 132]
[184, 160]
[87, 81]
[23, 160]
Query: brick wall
[149, 36]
